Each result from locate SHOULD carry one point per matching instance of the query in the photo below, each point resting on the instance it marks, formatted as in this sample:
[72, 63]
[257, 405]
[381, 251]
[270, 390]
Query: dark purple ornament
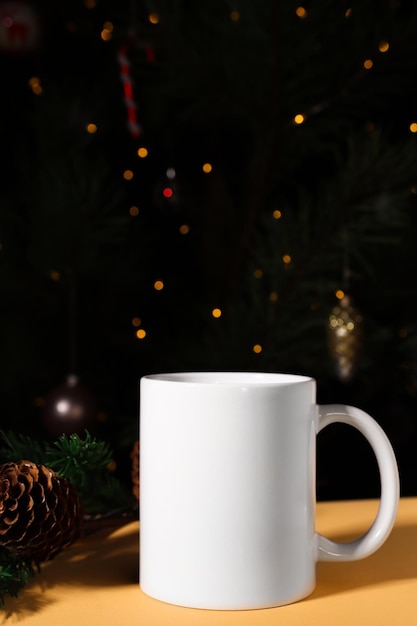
[69, 408]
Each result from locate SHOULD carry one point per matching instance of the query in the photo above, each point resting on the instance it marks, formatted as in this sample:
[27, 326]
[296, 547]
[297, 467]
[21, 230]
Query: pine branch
[15, 574]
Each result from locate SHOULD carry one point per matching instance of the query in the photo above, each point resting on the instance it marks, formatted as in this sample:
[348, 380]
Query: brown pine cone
[135, 454]
[40, 512]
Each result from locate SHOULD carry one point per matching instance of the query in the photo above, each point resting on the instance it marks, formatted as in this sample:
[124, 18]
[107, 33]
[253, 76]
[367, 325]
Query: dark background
[212, 82]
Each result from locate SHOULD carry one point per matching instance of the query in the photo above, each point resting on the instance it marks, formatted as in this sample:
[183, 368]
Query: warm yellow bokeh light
[133, 211]
[105, 34]
[128, 174]
[136, 321]
[153, 18]
[35, 85]
[300, 12]
[383, 46]
[368, 64]
[340, 294]
[158, 285]
[207, 168]
[277, 214]
[216, 313]
[142, 152]
[413, 127]
[91, 128]
[54, 275]
[141, 334]
[299, 118]
[184, 229]
[287, 259]
[257, 348]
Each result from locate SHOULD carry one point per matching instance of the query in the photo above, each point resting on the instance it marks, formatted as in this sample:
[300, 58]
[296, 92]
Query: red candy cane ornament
[125, 74]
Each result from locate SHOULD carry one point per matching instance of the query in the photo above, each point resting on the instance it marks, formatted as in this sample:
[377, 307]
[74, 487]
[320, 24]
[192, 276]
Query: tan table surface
[95, 582]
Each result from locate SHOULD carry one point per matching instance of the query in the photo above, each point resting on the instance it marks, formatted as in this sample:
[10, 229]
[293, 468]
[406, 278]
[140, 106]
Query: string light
[216, 313]
[141, 333]
[106, 33]
[301, 12]
[340, 294]
[368, 64]
[286, 259]
[142, 152]
[54, 275]
[158, 285]
[35, 85]
[207, 168]
[299, 119]
[413, 127]
[91, 128]
[276, 214]
[257, 348]
[128, 174]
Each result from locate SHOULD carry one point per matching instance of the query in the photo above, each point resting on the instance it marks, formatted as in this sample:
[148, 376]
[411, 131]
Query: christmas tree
[212, 185]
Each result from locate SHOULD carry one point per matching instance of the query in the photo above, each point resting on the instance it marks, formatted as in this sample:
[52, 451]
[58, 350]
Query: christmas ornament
[70, 408]
[126, 78]
[20, 28]
[344, 333]
[135, 456]
[40, 513]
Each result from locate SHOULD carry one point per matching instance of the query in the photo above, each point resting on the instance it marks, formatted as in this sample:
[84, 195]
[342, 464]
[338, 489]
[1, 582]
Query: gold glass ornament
[344, 336]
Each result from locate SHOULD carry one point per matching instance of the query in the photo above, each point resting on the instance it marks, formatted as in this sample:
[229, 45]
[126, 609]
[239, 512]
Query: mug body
[227, 488]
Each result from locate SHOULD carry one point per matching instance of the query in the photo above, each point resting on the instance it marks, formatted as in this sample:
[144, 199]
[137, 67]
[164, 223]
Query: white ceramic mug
[227, 488]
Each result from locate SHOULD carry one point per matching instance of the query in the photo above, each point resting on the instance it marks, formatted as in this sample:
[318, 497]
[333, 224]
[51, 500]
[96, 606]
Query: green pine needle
[15, 574]
[18, 447]
[79, 460]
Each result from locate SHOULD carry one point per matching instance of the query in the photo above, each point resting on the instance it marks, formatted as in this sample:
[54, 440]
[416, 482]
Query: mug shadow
[395, 560]
[111, 558]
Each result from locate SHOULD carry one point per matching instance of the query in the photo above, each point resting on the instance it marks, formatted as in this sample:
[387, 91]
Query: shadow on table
[109, 557]
[395, 560]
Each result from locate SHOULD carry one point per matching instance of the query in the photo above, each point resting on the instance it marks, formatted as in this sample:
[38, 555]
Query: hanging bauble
[20, 28]
[70, 408]
[344, 336]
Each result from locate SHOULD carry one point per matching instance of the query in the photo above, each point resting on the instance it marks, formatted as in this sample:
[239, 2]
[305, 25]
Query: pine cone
[40, 512]
[135, 455]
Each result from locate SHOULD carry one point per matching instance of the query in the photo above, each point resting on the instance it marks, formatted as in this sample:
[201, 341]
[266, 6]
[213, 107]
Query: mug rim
[231, 378]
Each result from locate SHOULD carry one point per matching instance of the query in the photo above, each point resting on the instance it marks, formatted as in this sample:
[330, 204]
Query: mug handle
[368, 543]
